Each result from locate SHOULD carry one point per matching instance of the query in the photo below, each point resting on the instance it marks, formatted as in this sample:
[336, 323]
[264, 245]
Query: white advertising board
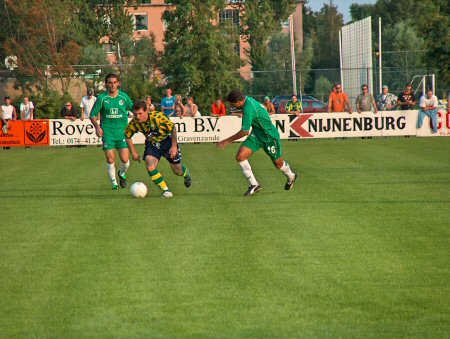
[308, 125]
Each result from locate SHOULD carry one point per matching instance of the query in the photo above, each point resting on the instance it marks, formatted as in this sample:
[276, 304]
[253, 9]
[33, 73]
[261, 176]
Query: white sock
[287, 171]
[124, 166]
[111, 169]
[248, 173]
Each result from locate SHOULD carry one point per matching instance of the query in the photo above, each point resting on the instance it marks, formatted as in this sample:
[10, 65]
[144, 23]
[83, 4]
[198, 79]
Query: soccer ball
[138, 190]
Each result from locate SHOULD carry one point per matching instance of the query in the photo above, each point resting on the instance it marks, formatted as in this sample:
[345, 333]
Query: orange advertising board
[36, 133]
[26, 133]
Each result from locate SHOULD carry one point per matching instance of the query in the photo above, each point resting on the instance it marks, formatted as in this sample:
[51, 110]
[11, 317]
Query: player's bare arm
[98, 129]
[134, 153]
[174, 148]
[222, 144]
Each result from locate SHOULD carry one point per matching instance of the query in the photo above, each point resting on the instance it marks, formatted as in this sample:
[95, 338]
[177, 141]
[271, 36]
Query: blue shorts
[162, 149]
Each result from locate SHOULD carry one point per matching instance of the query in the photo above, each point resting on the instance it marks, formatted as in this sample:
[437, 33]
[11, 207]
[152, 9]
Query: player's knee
[278, 163]
[240, 157]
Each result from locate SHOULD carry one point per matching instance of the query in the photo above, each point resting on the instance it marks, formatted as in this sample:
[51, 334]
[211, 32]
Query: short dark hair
[7, 97]
[111, 75]
[235, 95]
[139, 104]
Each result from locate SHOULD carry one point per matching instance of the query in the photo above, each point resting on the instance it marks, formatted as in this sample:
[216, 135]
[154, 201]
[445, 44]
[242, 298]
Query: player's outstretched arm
[222, 144]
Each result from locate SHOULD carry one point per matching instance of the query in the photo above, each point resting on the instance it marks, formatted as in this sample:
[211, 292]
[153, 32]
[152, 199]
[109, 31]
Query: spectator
[4, 123]
[27, 109]
[218, 109]
[269, 105]
[167, 103]
[69, 112]
[386, 101]
[365, 101]
[294, 106]
[428, 106]
[178, 107]
[192, 108]
[87, 102]
[9, 111]
[406, 99]
[150, 106]
[338, 100]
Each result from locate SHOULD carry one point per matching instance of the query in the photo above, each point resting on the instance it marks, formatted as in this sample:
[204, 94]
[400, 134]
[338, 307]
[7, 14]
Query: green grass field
[359, 247]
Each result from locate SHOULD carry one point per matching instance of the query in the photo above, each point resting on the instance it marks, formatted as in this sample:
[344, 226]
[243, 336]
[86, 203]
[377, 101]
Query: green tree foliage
[198, 58]
[141, 77]
[402, 38]
[326, 39]
[100, 18]
[322, 88]
[260, 19]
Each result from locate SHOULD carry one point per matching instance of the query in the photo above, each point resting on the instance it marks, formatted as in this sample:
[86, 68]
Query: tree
[198, 58]
[322, 88]
[326, 41]
[402, 38]
[42, 39]
[141, 78]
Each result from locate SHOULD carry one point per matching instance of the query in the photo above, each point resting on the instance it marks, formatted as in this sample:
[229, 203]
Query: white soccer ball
[138, 190]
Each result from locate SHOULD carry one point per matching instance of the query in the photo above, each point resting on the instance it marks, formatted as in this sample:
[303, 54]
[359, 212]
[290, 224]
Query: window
[231, 15]
[146, 2]
[141, 22]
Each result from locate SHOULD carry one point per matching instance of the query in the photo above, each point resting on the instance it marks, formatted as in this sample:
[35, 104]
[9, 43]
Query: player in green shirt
[263, 135]
[113, 106]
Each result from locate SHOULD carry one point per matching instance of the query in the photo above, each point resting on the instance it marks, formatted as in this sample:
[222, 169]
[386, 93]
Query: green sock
[185, 171]
[158, 179]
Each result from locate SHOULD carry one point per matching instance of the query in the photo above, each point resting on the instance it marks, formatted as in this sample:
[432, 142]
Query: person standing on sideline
[428, 106]
[168, 103]
[386, 101]
[9, 111]
[365, 101]
[294, 106]
[161, 141]
[113, 106]
[192, 108]
[269, 105]
[86, 104]
[338, 100]
[406, 99]
[26, 109]
[263, 135]
[178, 108]
[69, 112]
[218, 109]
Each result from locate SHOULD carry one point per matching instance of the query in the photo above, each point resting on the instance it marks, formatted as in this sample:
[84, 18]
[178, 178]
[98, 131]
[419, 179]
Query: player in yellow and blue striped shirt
[160, 141]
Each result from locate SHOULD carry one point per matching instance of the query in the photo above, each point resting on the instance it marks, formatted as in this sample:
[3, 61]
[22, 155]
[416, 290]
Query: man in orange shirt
[338, 100]
[218, 109]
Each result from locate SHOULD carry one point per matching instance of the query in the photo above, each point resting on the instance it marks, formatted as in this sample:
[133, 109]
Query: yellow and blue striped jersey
[156, 128]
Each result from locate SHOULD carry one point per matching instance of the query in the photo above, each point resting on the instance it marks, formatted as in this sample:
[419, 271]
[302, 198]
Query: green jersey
[113, 114]
[255, 116]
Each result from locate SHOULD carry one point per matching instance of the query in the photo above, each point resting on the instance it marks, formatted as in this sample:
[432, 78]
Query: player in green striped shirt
[113, 107]
[263, 135]
[161, 141]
